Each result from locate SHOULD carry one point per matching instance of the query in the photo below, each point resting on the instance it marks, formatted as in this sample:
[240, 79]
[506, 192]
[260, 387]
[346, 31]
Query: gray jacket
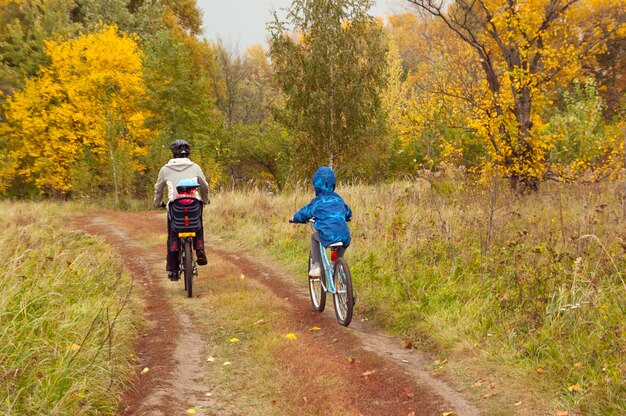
[172, 172]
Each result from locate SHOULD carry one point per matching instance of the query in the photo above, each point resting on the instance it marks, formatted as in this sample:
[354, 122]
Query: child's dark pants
[316, 254]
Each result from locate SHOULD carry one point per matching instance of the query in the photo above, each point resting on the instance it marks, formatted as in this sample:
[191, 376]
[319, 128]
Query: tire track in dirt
[384, 378]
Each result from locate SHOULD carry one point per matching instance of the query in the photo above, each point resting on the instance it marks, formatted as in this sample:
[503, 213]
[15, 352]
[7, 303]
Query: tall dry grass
[532, 282]
[66, 329]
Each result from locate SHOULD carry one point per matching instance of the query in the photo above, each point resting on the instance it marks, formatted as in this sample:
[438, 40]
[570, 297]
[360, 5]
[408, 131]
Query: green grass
[65, 338]
[536, 297]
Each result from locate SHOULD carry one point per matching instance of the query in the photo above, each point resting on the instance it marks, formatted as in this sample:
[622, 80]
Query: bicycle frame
[329, 268]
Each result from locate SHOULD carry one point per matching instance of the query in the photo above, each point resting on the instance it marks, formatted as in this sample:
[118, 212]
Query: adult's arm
[158, 189]
[204, 187]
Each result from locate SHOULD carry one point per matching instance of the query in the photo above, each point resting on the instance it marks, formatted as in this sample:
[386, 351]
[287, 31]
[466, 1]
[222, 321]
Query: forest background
[93, 92]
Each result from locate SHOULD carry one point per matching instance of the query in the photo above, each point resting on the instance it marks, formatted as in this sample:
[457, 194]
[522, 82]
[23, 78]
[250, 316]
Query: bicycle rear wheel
[188, 266]
[316, 290]
[343, 298]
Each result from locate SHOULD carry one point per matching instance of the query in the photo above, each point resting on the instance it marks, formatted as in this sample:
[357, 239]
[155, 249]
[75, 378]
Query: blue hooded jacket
[328, 209]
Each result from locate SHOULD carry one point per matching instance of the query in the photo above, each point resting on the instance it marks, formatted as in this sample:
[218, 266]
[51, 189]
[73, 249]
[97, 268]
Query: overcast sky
[241, 23]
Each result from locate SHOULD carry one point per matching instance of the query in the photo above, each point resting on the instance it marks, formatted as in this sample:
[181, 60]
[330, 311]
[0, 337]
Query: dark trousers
[316, 254]
[172, 246]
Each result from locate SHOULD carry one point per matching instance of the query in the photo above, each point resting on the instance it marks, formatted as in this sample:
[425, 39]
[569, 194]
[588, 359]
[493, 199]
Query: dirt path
[375, 374]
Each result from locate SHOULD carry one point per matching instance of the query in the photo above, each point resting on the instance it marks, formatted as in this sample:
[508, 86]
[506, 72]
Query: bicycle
[186, 219]
[337, 281]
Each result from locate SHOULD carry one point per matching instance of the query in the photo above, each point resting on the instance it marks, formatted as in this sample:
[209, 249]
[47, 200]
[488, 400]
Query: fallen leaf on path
[291, 336]
[350, 360]
[191, 411]
[540, 371]
[447, 413]
[242, 277]
[574, 388]
[562, 413]
[259, 322]
[411, 414]
[441, 362]
[488, 395]
[234, 340]
[368, 373]
[74, 347]
[210, 359]
[408, 344]
[145, 370]
[227, 363]
[519, 403]
[273, 402]
[314, 329]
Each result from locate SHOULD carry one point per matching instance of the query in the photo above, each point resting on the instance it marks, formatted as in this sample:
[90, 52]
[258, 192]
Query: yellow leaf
[562, 413]
[145, 370]
[291, 336]
[574, 388]
[234, 340]
[74, 347]
[447, 413]
[242, 277]
[210, 359]
[314, 329]
[226, 363]
[191, 411]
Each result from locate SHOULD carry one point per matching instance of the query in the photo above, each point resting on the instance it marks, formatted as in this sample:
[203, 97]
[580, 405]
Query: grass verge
[66, 328]
[522, 297]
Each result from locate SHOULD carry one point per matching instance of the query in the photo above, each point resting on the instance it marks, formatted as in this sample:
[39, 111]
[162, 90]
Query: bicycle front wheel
[343, 298]
[316, 290]
[188, 265]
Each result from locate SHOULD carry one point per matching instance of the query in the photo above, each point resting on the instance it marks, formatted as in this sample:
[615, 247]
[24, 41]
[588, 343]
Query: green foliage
[24, 28]
[180, 98]
[582, 141]
[259, 152]
[64, 347]
[332, 77]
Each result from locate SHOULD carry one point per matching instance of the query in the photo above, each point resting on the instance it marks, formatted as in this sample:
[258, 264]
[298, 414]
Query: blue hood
[324, 180]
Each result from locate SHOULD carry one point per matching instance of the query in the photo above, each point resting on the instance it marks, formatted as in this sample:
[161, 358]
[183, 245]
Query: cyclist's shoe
[201, 257]
[173, 276]
[315, 271]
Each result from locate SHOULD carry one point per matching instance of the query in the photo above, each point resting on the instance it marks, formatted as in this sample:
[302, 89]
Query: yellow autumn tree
[430, 127]
[522, 51]
[79, 124]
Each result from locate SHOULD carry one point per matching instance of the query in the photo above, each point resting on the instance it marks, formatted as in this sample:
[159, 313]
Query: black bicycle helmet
[180, 148]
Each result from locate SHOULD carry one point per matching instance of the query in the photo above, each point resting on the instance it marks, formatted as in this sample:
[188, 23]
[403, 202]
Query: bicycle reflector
[333, 255]
[186, 221]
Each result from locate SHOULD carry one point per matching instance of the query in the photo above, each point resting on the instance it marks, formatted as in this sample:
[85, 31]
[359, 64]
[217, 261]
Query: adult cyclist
[177, 168]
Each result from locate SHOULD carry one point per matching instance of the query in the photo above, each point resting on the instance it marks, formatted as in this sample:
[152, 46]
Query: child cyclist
[331, 214]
